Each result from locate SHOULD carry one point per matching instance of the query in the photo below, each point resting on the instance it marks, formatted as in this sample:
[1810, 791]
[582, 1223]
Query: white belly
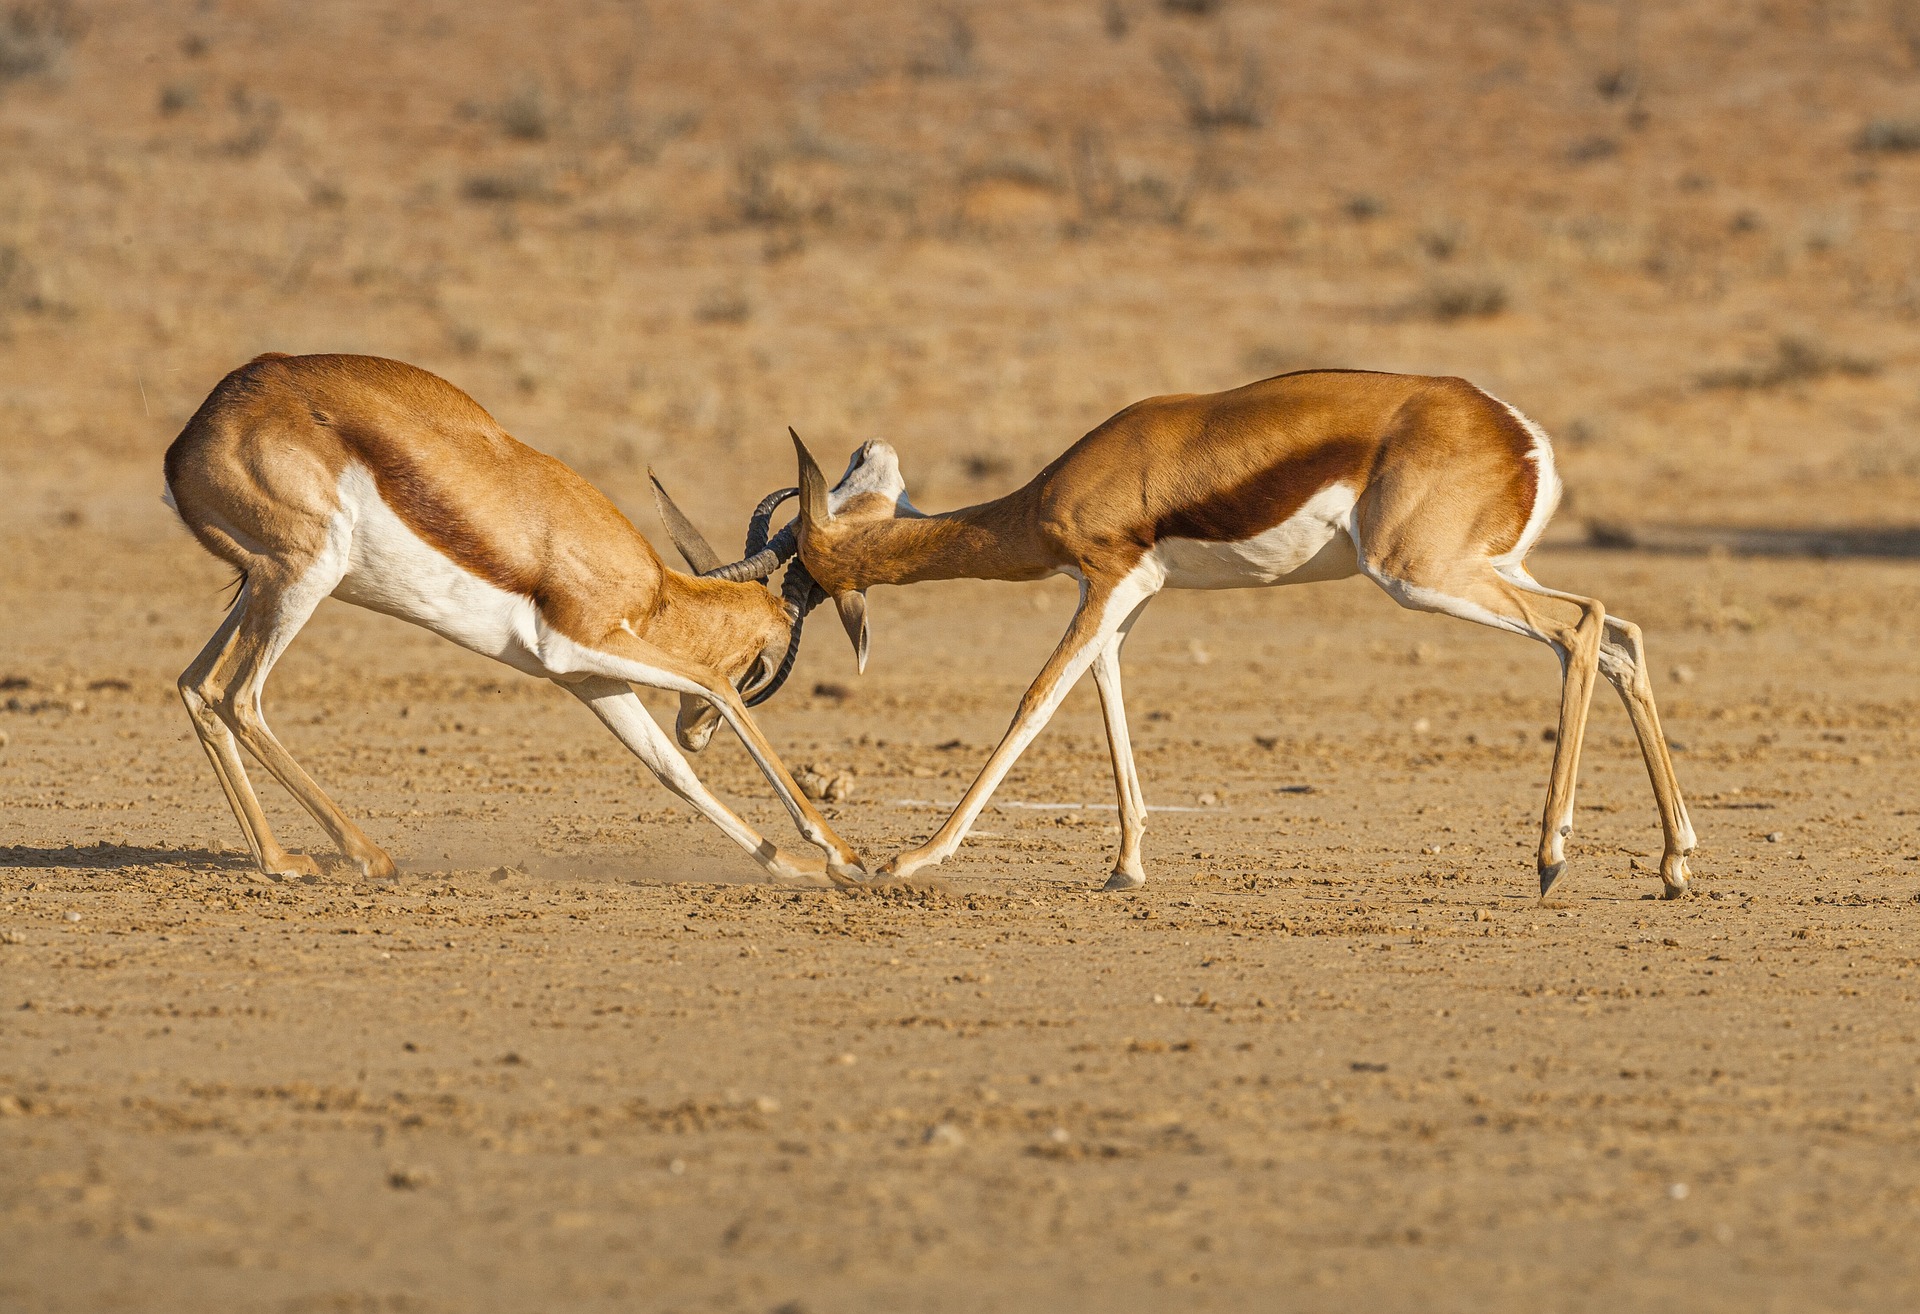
[393, 570]
[1311, 544]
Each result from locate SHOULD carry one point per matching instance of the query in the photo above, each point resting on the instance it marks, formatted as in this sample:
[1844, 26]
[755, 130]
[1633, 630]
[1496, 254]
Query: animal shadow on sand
[112, 857]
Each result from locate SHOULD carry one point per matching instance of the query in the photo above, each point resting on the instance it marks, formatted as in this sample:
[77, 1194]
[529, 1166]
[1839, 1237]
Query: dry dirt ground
[1336, 1050]
[1335, 1054]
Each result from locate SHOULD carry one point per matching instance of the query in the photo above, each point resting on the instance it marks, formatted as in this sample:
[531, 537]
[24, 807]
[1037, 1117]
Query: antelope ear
[813, 486]
[699, 554]
[853, 614]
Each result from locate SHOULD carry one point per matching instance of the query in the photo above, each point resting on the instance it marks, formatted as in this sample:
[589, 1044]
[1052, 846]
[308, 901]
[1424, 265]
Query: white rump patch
[1311, 544]
[1547, 487]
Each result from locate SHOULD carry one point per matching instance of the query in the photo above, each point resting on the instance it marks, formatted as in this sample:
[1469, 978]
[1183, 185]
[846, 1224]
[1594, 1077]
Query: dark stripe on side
[1231, 515]
[414, 497]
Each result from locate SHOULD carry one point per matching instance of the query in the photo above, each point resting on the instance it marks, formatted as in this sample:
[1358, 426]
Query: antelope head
[757, 670]
[871, 490]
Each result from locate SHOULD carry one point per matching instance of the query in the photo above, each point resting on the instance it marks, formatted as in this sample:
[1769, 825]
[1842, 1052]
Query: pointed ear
[699, 554]
[853, 614]
[813, 485]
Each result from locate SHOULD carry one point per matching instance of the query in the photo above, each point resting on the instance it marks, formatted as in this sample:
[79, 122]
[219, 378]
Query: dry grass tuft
[1889, 137]
[1456, 299]
[36, 36]
[1232, 93]
[1795, 360]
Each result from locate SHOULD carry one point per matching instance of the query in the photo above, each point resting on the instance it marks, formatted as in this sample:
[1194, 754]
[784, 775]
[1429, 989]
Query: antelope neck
[993, 540]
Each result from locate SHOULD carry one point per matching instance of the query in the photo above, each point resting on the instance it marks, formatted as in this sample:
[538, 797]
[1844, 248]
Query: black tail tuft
[238, 582]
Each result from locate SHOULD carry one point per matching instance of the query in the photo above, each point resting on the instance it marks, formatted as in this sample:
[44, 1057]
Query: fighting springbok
[385, 486]
[1430, 487]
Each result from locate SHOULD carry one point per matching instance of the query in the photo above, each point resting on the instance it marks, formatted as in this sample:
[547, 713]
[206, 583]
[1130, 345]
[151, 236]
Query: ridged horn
[761, 522]
[803, 595]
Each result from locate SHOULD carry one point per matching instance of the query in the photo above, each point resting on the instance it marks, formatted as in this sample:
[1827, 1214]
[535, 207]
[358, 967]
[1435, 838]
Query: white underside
[1314, 543]
[391, 569]
[374, 560]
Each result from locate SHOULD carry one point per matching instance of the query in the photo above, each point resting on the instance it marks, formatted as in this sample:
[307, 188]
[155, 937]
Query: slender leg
[623, 713]
[1580, 660]
[1128, 872]
[1103, 609]
[1503, 603]
[218, 742]
[262, 636]
[625, 657]
[1624, 662]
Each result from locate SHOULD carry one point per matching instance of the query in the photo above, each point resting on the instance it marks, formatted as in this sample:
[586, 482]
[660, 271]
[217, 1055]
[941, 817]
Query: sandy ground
[1336, 1054]
[1334, 1051]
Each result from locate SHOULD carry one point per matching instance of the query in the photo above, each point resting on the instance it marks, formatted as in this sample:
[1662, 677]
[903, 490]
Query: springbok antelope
[1430, 487]
[387, 487]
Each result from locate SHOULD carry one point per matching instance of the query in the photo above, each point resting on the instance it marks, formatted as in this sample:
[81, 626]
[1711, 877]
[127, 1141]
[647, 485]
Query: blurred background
[1681, 235]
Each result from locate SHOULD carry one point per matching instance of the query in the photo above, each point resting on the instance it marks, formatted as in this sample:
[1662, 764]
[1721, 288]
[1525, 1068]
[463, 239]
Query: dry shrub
[1103, 190]
[526, 115]
[1889, 137]
[948, 52]
[1457, 299]
[35, 37]
[1795, 360]
[522, 185]
[1231, 94]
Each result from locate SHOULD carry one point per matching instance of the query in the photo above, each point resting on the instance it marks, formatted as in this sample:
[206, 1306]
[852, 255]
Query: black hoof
[1548, 875]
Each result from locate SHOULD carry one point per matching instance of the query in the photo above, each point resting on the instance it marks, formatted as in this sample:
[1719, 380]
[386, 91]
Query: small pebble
[72, 916]
[1775, 836]
[945, 1136]
[678, 1167]
[1678, 1191]
[1059, 1136]
[1683, 675]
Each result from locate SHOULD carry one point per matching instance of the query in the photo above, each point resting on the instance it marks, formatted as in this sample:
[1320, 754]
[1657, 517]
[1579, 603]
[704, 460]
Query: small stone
[72, 916]
[944, 1136]
[1059, 1136]
[410, 1178]
[678, 1167]
[767, 1104]
[1207, 800]
[1422, 725]
[1678, 1191]
[844, 1060]
[1683, 675]
[1775, 836]
[1482, 915]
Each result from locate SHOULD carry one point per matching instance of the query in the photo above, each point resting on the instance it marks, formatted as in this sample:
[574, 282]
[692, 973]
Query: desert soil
[1337, 1053]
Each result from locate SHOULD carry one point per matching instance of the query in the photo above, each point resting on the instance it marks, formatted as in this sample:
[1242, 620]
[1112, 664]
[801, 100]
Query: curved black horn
[764, 555]
[758, 566]
[803, 595]
[761, 522]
